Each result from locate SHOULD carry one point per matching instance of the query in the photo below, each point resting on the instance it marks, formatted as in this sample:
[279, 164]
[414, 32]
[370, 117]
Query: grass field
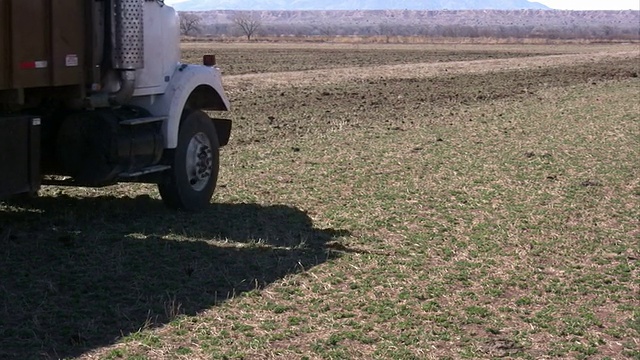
[375, 202]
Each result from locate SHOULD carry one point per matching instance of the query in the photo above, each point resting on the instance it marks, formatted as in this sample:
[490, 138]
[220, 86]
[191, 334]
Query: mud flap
[223, 128]
[19, 155]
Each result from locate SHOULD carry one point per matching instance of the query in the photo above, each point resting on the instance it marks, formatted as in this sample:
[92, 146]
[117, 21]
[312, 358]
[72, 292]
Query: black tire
[195, 163]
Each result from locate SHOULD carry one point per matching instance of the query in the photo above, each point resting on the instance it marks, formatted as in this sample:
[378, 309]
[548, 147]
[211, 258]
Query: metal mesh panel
[128, 49]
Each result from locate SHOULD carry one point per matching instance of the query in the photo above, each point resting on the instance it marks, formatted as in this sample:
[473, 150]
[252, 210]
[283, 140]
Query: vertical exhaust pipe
[127, 45]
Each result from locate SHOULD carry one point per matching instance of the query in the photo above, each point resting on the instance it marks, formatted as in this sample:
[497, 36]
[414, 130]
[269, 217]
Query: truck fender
[191, 86]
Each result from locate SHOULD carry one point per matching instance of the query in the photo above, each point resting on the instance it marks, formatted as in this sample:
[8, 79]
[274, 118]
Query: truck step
[145, 171]
[144, 120]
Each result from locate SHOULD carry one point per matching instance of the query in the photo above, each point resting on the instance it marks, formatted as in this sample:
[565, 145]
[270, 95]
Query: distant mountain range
[204, 5]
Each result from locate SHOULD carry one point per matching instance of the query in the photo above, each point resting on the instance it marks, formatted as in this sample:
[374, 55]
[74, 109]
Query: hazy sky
[592, 4]
[566, 4]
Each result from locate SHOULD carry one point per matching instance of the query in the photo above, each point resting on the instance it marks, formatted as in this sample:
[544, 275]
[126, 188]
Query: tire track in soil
[249, 82]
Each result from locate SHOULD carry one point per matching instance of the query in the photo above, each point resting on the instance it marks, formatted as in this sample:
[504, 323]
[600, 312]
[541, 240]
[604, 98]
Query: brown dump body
[42, 43]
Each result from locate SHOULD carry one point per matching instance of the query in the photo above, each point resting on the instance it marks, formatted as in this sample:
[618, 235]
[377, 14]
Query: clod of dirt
[590, 183]
[552, 177]
[295, 149]
[439, 140]
[502, 347]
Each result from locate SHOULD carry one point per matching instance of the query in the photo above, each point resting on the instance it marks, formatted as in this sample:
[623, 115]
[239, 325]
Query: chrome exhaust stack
[127, 45]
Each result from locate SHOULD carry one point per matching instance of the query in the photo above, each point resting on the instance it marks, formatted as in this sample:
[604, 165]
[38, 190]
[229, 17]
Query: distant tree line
[250, 27]
[465, 31]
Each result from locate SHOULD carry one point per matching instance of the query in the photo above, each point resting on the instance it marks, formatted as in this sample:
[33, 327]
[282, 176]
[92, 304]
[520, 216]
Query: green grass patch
[478, 216]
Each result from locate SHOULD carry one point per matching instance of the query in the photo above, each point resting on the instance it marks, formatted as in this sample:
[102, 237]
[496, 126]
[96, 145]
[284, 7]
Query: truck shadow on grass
[77, 274]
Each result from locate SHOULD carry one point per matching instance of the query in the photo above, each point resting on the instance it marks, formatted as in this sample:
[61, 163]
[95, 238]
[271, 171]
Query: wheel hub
[199, 162]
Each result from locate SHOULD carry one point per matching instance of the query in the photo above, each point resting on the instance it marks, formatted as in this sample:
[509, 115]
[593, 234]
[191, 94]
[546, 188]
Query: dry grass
[429, 214]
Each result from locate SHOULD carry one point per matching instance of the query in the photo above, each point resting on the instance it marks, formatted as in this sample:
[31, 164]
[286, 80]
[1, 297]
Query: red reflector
[34, 65]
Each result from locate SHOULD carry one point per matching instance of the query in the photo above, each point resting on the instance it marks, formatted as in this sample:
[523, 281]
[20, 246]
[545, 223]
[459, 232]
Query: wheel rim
[199, 161]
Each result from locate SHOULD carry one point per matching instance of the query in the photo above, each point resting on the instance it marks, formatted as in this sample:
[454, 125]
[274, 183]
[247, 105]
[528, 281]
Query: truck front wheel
[190, 182]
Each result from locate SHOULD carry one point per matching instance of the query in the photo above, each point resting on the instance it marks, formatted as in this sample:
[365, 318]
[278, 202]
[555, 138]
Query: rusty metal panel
[4, 44]
[30, 39]
[42, 43]
[67, 40]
